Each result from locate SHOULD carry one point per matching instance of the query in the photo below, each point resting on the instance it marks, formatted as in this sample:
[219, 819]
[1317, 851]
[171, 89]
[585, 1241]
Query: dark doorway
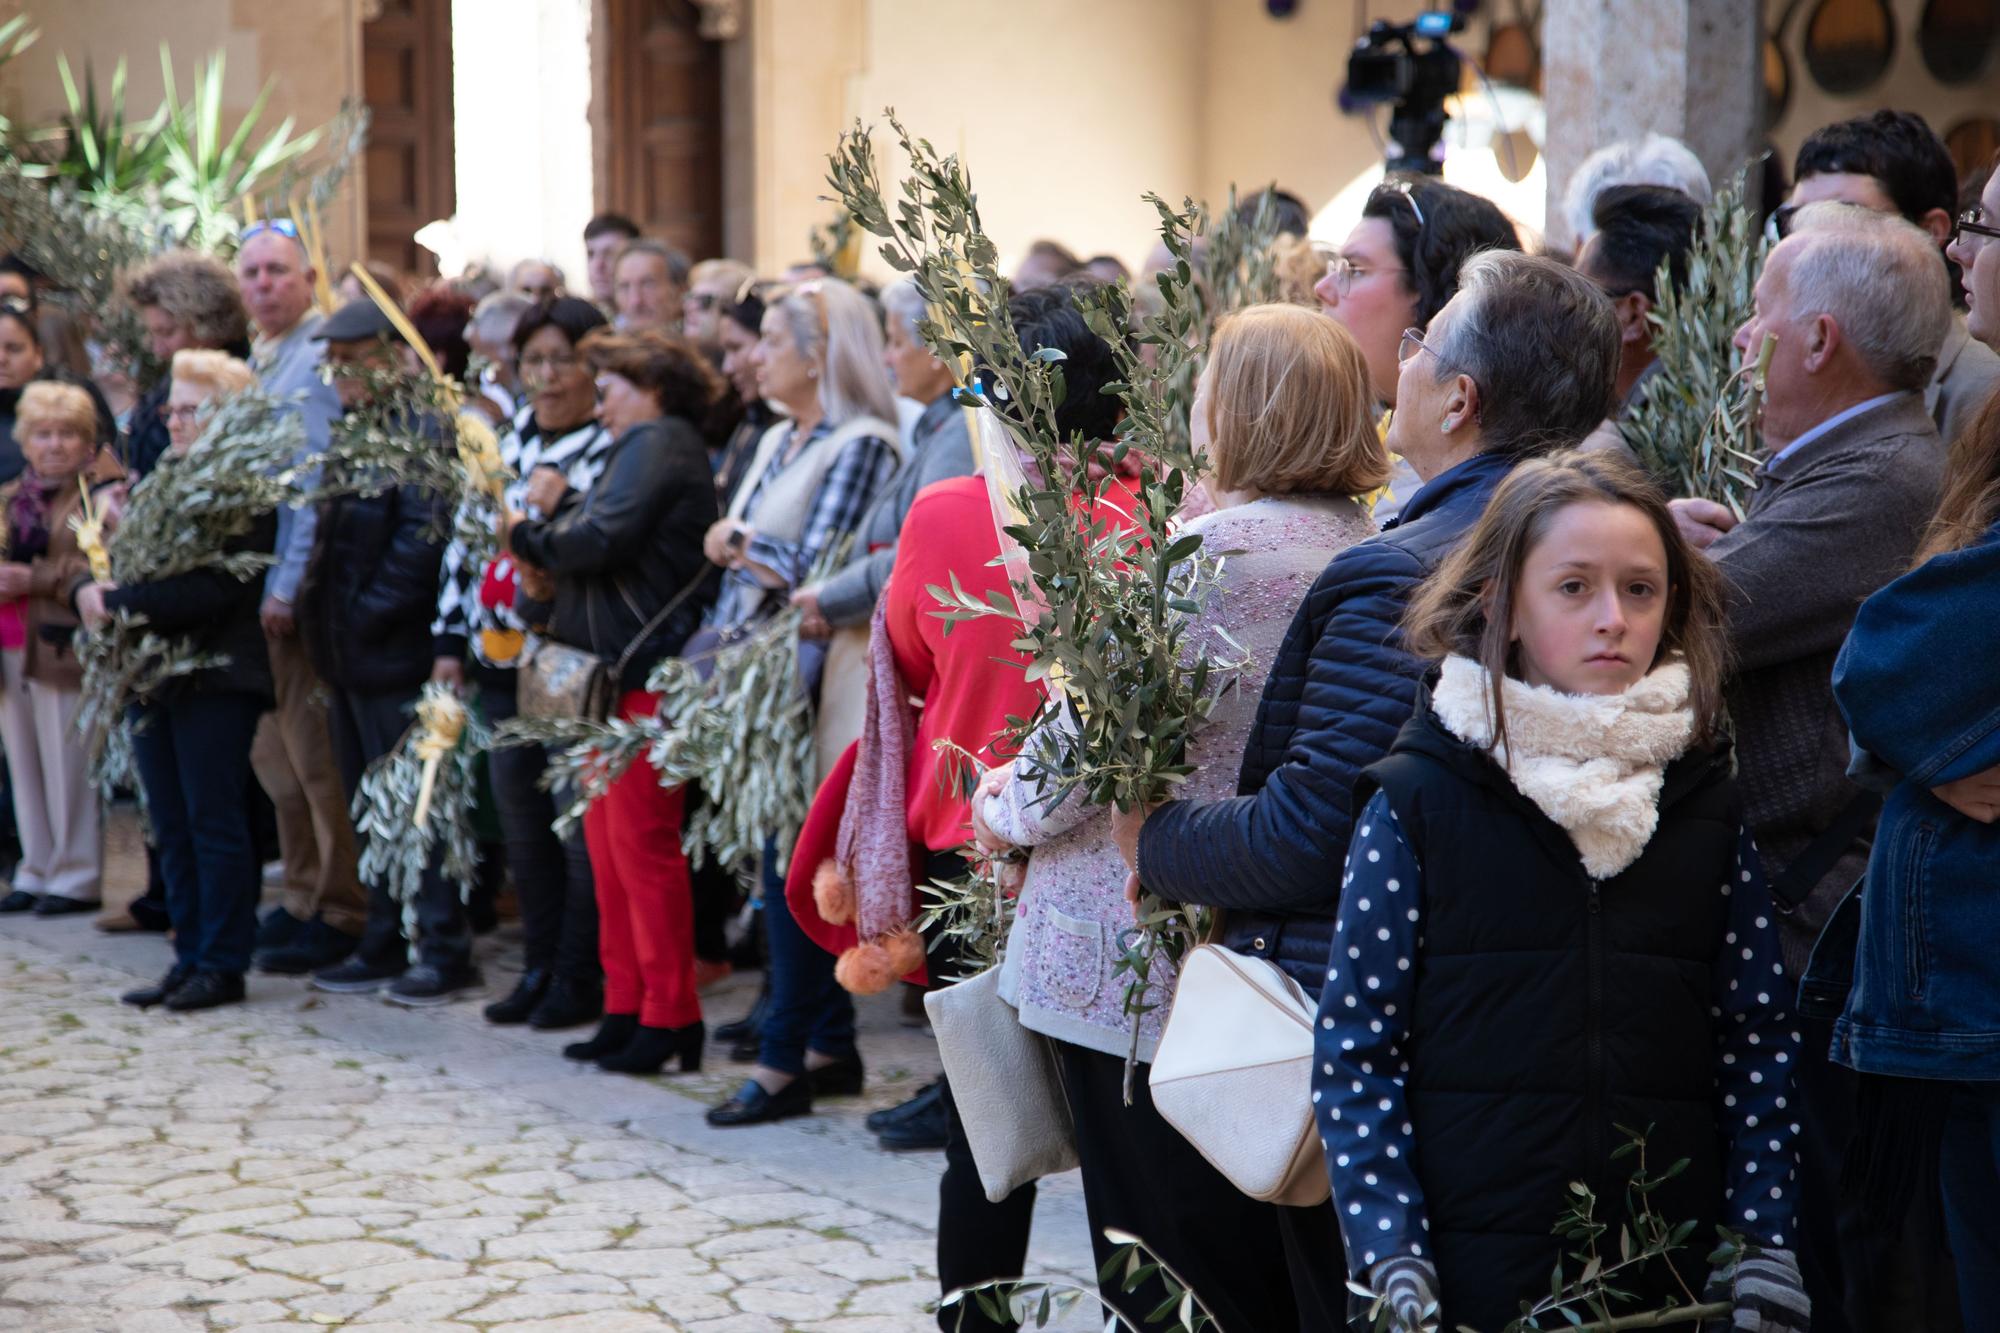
[663, 123]
[406, 81]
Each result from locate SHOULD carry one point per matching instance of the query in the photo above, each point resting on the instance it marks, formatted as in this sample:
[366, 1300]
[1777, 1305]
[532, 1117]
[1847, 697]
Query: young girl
[1553, 924]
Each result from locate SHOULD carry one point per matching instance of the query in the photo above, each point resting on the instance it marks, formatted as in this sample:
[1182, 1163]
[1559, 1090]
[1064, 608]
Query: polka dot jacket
[1364, 1016]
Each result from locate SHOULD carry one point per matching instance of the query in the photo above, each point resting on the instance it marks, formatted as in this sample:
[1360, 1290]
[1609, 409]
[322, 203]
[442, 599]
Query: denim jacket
[1917, 685]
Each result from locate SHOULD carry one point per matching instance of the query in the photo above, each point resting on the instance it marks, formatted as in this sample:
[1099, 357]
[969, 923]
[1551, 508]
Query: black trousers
[1862, 1277]
[978, 1240]
[551, 874]
[365, 726]
[1140, 1176]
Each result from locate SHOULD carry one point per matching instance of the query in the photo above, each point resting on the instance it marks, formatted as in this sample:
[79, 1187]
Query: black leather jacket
[628, 546]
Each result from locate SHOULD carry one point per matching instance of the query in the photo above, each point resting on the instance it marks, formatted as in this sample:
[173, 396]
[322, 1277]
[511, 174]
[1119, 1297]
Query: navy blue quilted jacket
[1339, 691]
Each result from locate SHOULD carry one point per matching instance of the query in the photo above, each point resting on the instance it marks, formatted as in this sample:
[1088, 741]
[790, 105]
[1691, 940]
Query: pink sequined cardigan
[1058, 970]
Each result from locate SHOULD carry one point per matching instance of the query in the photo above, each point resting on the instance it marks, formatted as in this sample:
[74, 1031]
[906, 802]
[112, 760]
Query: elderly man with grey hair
[1858, 304]
[1653, 159]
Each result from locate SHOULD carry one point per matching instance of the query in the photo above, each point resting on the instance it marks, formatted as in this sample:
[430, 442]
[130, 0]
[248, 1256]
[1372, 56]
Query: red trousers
[645, 897]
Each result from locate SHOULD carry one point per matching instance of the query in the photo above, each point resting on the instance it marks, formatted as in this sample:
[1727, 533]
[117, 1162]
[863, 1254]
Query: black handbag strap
[659, 618]
[1812, 865]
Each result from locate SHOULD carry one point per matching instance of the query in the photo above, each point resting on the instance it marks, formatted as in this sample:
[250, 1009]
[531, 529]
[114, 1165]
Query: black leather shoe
[20, 900]
[427, 984]
[313, 946]
[651, 1048]
[892, 1115]
[356, 976]
[277, 929]
[206, 990]
[922, 1131]
[53, 905]
[527, 993]
[613, 1035]
[147, 996]
[151, 914]
[753, 1106]
[570, 1003]
[748, 1026]
[842, 1078]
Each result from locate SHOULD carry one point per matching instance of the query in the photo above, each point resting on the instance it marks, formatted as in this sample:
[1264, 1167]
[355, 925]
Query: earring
[812, 372]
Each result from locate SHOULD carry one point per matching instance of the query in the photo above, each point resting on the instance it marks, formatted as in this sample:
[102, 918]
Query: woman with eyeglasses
[55, 803]
[191, 739]
[1396, 270]
[630, 588]
[819, 359]
[478, 636]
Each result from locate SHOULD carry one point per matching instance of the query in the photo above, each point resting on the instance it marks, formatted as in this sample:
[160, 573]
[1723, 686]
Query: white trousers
[55, 806]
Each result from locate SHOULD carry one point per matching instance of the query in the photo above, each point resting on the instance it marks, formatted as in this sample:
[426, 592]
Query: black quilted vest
[1552, 1009]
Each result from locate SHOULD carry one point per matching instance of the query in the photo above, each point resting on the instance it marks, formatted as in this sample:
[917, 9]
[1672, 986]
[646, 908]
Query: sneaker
[892, 1115]
[427, 984]
[921, 1131]
[315, 947]
[277, 929]
[356, 976]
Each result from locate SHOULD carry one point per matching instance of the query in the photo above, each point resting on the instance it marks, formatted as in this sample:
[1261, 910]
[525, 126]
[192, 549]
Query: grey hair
[1541, 342]
[853, 381]
[1652, 160]
[1880, 279]
[901, 300]
[677, 263]
[498, 314]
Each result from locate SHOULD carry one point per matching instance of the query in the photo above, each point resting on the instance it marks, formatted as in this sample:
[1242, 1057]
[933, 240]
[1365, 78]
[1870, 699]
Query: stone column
[1615, 69]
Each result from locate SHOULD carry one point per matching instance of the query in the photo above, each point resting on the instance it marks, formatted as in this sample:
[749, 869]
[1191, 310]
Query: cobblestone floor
[307, 1161]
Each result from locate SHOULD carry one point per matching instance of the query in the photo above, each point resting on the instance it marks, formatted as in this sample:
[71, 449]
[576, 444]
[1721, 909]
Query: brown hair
[1289, 408]
[1467, 606]
[53, 403]
[195, 292]
[1971, 500]
[667, 367]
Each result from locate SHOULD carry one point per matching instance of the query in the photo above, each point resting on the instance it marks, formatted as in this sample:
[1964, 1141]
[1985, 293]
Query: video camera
[1388, 65]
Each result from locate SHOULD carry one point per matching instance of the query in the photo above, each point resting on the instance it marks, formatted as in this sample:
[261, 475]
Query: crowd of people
[1553, 793]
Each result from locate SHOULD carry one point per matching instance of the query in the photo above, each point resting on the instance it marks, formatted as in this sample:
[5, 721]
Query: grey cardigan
[938, 450]
[1827, 525]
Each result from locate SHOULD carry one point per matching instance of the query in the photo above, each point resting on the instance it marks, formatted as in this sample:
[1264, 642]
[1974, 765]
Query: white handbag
[1005, 1084]
[1233, 1074]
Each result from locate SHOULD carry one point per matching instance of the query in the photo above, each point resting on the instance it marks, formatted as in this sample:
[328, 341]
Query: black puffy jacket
[630, 545]
[1339, 691]
[370, 588]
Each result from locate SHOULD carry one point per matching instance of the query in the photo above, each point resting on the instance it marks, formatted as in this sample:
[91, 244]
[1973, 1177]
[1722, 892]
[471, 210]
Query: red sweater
[971, 679]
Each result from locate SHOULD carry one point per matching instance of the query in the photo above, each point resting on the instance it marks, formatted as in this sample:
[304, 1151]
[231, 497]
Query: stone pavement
[315, 1161]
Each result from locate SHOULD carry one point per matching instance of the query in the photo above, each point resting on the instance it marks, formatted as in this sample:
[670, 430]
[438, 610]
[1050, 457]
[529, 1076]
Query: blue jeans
[193, 755]
[808, 1007]
[1970, 1163]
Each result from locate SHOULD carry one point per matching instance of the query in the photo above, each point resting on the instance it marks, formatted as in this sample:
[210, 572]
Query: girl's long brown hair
[1467, 606]
[1971, 500]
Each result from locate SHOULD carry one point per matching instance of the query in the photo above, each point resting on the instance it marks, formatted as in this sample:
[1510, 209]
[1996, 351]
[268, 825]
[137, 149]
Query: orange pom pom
[865, 970]
[833, 893]
[905, 949]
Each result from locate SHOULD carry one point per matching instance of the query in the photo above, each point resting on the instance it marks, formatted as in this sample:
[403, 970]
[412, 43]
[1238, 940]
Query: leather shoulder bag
[560, 682]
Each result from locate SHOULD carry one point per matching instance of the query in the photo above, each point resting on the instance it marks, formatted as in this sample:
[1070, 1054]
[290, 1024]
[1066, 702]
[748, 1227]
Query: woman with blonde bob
[1284, 412]
[191, 738]
[55, 803]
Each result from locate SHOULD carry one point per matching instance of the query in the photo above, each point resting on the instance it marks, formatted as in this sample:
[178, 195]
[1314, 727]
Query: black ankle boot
[613, 1035]
[569, 1002]
[528, 993]
[651, 1048]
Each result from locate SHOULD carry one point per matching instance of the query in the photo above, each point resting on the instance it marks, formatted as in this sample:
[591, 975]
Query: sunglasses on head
[283, 226]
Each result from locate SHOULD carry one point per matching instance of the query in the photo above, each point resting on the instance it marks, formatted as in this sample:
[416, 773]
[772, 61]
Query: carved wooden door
[406, 81]
[663, 118]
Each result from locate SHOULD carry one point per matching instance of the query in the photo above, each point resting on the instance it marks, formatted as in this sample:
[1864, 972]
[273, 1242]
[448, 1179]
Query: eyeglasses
[283, 226]
[1779, 225]
[1413, 342]
[172, 412]
[557, 361]
[14, 305]
[1973, 222]
[702, 300]
[1345, 273]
